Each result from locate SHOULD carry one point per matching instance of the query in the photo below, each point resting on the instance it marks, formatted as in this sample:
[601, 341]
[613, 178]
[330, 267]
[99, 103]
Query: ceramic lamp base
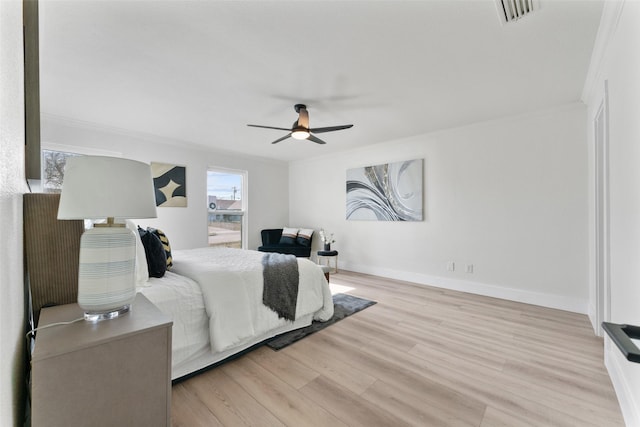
[106, 277]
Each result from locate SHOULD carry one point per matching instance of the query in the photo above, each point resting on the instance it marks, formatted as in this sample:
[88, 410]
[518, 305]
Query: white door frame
[602, 256]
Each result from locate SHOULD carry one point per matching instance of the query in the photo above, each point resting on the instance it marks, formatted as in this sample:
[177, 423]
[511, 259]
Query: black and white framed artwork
[385, 192]
[170, 182]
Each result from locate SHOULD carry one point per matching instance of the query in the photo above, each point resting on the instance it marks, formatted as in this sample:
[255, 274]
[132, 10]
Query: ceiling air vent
[512, 10]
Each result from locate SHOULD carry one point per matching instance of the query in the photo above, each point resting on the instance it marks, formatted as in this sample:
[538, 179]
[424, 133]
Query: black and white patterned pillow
[289, 236]
[304, 237]
[165, 244]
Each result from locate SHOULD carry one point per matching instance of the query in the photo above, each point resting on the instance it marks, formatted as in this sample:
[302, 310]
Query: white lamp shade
[97, 187]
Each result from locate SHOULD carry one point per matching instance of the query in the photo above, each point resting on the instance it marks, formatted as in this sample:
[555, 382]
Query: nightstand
[110, 373]
[329, 255]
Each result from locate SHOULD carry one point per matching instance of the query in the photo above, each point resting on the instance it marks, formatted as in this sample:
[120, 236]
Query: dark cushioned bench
[271, 243]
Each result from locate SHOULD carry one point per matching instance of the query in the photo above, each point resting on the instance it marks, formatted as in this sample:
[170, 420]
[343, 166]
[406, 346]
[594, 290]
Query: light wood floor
[423, 357]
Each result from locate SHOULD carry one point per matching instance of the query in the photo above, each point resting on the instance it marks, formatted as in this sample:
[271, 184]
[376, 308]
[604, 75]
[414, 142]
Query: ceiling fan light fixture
[300, 134]
[300, 129]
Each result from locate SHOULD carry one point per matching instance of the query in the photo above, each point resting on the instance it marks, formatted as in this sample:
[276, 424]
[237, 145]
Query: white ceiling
[200, 71]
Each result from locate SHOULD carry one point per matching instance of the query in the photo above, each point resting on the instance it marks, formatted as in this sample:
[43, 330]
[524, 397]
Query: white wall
[509, 197]
[12, 186]
[185, 227]
[618, 63]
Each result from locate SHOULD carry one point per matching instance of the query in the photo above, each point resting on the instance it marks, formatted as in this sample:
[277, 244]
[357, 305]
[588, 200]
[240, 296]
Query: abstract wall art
[170, 183]
[386, 192]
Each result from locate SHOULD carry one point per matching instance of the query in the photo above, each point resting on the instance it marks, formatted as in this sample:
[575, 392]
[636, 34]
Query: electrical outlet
[451, 266]
[469, 268]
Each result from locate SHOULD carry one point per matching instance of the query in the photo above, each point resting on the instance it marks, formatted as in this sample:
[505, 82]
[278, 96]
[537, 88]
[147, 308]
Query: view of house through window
[226, 207]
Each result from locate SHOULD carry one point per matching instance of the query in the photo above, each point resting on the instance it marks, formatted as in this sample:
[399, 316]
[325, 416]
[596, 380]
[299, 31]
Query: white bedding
[231, 285]
[181, 299]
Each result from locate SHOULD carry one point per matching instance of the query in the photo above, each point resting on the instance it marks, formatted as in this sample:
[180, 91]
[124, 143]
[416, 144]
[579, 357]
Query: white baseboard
[616, 364]
[559, 302]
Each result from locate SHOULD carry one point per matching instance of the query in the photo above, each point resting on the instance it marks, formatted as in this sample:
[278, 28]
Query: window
[54, 159]
[53, 163]
[226, 207]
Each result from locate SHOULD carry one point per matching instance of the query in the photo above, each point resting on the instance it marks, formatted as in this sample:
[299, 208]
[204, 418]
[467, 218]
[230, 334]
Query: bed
[213, 294]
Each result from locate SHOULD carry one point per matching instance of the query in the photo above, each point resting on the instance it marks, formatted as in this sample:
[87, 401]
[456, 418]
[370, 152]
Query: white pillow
[142, 271]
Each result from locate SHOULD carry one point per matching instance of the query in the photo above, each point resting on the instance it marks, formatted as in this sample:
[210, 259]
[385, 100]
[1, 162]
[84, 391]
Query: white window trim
[245, 199]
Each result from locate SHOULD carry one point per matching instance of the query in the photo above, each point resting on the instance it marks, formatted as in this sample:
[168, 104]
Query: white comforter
[231, 284]
[181, 298]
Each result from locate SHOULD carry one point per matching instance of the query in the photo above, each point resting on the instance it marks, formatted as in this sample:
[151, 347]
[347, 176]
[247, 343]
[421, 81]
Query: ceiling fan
[300, 128]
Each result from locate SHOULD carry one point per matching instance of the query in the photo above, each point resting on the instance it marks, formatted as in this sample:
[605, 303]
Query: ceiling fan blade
[268, 127]
[281, 139]
[303, 120]
[300, 128]
[316, 139]
[330, 128]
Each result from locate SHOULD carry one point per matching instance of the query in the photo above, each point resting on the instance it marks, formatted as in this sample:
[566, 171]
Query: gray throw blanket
[280, 287]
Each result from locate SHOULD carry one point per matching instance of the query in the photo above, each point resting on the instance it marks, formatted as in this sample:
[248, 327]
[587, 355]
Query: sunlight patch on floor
[339, 289]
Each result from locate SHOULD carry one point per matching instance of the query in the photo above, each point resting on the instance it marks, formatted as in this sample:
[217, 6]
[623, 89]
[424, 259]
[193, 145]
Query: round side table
[329, 255]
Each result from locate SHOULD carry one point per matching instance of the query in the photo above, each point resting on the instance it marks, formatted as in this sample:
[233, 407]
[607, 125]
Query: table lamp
[97, 187]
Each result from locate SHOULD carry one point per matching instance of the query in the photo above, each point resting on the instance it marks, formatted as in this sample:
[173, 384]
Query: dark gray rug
[344, 305]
